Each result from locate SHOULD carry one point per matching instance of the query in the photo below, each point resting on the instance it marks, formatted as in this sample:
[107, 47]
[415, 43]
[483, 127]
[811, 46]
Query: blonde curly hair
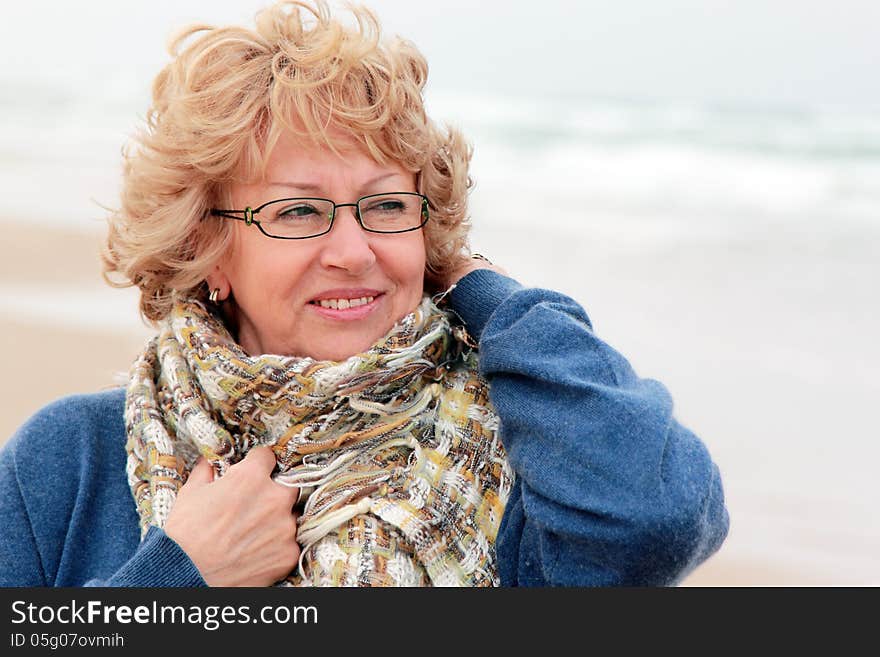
[220, 106]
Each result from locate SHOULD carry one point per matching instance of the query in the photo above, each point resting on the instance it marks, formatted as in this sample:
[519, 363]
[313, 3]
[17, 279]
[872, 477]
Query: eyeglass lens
[306, 217]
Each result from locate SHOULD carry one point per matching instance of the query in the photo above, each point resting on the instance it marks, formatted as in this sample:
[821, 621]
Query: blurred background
[702, 176]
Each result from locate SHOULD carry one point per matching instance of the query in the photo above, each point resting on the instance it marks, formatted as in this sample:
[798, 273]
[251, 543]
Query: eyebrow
[315, 187]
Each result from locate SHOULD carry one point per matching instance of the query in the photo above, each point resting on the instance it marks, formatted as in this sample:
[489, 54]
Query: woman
[308, 414]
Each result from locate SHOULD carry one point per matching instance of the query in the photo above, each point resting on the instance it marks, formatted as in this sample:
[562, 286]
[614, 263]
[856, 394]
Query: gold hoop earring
[213, 296]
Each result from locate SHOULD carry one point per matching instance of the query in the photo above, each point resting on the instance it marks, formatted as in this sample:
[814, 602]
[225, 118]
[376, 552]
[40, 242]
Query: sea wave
[678, 165]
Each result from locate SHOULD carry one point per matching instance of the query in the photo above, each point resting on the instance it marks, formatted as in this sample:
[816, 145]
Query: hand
[464, 267]
[238, 530]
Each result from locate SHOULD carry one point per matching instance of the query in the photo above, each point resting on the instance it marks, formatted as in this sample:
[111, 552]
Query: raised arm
[611, 489]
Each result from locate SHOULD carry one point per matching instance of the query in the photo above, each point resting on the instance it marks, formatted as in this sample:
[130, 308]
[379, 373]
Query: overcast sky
[764, 52]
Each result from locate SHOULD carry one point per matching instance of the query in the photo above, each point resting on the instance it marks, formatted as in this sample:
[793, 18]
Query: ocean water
[636, 172]
[731, 251]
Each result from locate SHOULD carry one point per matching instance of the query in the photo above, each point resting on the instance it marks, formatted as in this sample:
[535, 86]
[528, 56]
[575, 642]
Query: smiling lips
[342, 304]
[352, 303]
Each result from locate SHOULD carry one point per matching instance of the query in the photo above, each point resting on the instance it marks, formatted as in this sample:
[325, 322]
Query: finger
[201, 474]
[293, 492]
[262, 458]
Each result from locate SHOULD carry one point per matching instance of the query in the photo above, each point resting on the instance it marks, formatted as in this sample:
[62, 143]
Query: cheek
[238, 262]
[259, 267]
[410, 265]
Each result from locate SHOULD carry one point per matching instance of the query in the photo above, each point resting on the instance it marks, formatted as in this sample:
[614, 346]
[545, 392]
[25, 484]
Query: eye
[299, 210]
[386, 205]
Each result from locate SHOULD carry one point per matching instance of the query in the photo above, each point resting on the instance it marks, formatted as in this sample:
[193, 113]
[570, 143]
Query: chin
[348, 342]
[335, 355]
[338, 352]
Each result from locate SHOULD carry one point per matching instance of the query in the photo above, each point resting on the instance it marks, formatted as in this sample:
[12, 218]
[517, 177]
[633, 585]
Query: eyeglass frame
[249, 213]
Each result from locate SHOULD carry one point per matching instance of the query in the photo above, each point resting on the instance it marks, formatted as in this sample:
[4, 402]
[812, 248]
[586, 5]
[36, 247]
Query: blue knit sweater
[610, 489]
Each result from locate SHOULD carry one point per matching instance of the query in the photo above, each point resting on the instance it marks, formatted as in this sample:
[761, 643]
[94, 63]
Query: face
[274, 286]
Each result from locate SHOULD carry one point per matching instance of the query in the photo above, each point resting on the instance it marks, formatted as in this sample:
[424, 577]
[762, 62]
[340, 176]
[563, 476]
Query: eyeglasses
[301, 218]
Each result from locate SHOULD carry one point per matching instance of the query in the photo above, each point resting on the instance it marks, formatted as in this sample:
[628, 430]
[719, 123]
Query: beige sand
[46, 360]
[51, 362]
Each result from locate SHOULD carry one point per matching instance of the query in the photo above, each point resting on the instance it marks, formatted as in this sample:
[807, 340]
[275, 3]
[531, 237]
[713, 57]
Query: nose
[347, 246]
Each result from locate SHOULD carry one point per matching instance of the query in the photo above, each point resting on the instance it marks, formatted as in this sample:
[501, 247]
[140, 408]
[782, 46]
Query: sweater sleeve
[66, 515]
[20, 563]
[158, 562]
[610, 489]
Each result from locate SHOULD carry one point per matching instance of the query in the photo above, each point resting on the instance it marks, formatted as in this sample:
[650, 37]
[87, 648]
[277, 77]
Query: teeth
[342, 304]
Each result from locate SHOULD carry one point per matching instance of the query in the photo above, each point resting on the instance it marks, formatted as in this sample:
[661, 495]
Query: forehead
[297, 159]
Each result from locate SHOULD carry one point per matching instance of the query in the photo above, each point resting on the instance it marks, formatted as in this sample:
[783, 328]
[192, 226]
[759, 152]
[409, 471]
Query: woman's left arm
[610, 489]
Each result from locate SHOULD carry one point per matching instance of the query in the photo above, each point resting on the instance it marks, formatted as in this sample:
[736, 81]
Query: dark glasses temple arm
[230, 214]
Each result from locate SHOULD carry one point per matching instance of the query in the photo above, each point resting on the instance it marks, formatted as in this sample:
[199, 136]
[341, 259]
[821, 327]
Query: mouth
[347, 307]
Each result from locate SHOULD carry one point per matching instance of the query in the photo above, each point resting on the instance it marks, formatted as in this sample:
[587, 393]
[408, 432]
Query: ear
[218, 280]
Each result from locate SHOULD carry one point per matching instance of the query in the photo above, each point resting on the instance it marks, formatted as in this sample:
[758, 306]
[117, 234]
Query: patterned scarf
[395, 450]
